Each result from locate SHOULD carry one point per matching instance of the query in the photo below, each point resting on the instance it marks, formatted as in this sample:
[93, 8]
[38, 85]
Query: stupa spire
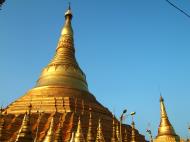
[99, 136]
[165, 130]
[50, 133]
[63, 70]
[67, 29]
[25, 133]
[72, 137]
[79, 137]
[59, 133]
[90, 137]
[165, 127]
[114, 138]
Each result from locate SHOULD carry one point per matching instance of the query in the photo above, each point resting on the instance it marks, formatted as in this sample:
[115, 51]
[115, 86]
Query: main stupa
[60, 107]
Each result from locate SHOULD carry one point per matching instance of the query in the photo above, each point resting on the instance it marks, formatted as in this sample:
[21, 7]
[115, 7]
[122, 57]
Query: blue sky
[130, 50]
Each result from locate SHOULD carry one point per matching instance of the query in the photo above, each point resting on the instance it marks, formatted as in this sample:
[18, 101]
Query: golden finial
[114, 138]
[67, 29]
[50, 133]
[79, 137]
[90, 137]
[59, 133]
[63, 70]
[68, 12]
[99, 136]
[25, 133]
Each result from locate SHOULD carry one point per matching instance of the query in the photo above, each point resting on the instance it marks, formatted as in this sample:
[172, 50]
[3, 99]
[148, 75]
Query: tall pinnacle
[79, 137]
[58, 134]
[67, 30]
[165, 127]
[114, 138]
[90, 137]
[50, 133]
[99, 136]
[63, 70]
[25, 133]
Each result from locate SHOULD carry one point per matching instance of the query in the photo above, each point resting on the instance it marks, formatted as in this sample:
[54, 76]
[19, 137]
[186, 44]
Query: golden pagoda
[61, 93]
[166, 131]
[99, 136]
[25, 133]
[90, 136]
[79, 137]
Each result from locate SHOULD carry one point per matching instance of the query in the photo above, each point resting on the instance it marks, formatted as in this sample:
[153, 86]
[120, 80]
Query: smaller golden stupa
[166, 131]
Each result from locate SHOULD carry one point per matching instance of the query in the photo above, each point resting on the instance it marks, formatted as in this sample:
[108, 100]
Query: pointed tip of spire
[161, 98]
[69, 6]
[79, 124]
[69, 12]
[79, 134]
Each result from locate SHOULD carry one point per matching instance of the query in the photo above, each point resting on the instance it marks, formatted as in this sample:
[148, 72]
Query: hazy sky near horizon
[130, 50]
